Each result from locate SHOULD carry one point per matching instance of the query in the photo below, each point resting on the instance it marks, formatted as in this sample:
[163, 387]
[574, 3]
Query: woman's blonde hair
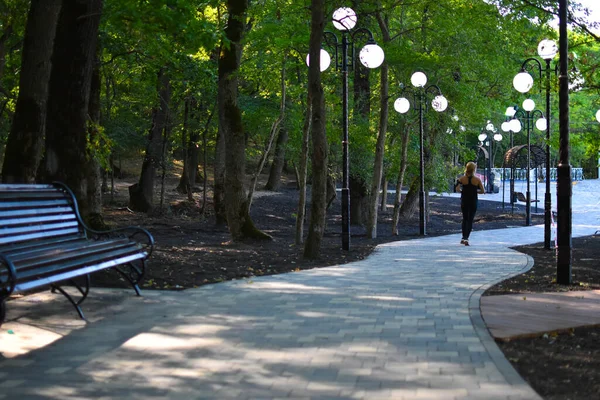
[470, 168]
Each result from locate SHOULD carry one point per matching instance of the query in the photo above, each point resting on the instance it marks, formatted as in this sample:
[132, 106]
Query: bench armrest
[130, 231]
[134, 233]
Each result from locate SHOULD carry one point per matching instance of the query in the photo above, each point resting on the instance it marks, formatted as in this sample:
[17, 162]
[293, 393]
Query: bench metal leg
[84, 293]
[133, 275]
[2, 311]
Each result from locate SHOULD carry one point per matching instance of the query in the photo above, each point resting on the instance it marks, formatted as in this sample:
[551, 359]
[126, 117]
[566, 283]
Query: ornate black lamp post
[490, 130]
[439, 103]
[371, 56]
[510, 127]
[528, 114]
[547, 50]
[563, 180]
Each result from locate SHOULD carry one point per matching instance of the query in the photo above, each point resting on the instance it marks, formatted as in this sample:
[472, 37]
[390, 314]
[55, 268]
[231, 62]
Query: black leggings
[468, 211]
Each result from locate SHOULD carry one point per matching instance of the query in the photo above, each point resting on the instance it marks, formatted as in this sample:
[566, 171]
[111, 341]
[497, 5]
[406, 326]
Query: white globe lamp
[541, 124]
[418, 79]
[528, 105]
[402, 105]
[523, 82]
[515, 125]
[371, 56]
[344, 19]
[325, 60]
[547, 49]
[439, 103]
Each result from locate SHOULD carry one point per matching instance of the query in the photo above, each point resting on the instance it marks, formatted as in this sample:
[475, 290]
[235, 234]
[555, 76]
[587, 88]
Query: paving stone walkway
[403, 324]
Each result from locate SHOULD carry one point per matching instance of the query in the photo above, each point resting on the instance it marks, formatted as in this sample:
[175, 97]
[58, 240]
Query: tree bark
[25, 141]
[274, 181]
[359, 206]
[141, 195]
[312, 247]
[400, 181]
[219, 178]
[359, 188]
[384, 192]
[302, 171]
[411, 201]
[93, 213]
[380, 146]
[67, 157]
[237, 207]
[185, 183]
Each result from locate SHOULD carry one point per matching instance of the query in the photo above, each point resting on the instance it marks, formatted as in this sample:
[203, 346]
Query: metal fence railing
[535, 174]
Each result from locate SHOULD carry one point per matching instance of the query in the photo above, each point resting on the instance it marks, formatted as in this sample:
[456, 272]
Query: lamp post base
[422, 214]
[345, 219]
[547, 219]
[528, 209]
[563, 206]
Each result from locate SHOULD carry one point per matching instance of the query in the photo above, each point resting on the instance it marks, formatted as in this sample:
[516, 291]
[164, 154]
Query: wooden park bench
[44, 242]
[521, 197]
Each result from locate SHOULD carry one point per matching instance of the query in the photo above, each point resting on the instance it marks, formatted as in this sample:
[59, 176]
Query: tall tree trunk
[380, 146]
[276, 169]
[384, 192]
[185, 186]
[26, 138]
[359, 194]
[411, 201]
[94, 175]
[204, 170]
[219, 178]
[359, 188]
[141, 195]
[302, 171]
[400, 182]
[163, 158]
[237, 207]
[67, 157]
[312, 247]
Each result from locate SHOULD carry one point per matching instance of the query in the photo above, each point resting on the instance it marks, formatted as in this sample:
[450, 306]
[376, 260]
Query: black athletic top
[469, 193]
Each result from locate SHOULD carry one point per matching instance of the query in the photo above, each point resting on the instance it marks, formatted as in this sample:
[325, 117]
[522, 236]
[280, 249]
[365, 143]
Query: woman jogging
[468, 185]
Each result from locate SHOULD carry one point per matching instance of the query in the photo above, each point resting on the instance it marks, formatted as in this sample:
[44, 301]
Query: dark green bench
[44, 242]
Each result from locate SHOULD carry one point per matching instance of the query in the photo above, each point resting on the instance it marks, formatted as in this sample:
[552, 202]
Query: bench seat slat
[13, 248]
[42, 281]
[54, 254]
[73, 264]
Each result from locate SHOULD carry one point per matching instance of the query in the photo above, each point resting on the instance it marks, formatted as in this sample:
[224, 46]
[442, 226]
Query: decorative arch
[516, 157]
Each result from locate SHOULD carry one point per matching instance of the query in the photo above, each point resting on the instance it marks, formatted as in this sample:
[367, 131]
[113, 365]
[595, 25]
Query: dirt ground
[191, 251]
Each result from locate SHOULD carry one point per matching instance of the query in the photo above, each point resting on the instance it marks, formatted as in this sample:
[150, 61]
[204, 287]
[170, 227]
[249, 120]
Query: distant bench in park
[44, 242]
[521, 197]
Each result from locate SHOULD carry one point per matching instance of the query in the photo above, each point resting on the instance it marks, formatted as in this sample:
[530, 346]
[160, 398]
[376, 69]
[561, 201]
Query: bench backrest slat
[30, 213]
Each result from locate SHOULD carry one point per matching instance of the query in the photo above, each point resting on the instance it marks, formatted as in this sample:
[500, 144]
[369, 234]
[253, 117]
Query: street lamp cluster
[523, 82]
[439, 103]
[490, 132]
[527, 114]
[371, 56]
